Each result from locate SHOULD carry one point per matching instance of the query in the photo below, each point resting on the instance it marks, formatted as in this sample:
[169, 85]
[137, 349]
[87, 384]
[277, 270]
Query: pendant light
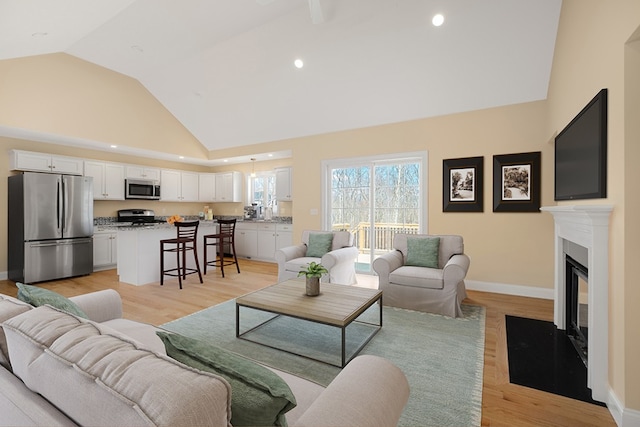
[253, 167]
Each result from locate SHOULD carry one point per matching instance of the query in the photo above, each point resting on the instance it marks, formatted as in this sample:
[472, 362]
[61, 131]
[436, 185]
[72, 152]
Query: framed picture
[516, 182]
[462, 184]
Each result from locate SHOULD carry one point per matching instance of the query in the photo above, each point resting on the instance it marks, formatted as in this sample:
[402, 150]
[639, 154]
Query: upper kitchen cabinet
[283, 185]
[229, 187]
[108, 179]
[43, 162]
[207, 187]
[141, 172]
[178, 186]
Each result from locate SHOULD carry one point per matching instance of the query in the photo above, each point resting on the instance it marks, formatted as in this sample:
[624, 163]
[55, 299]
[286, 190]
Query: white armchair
[436, 290]
[339, 260]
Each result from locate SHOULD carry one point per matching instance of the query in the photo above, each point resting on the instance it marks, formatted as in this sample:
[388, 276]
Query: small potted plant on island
[313, 272]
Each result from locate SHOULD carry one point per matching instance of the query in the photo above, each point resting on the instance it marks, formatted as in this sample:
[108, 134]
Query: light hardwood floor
[503, 404]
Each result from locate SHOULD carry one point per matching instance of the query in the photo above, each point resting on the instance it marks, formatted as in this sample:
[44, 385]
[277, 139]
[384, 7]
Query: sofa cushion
[418, 277]
[422, 251]
[450, 245]
[9, 307]
[341, 239]
[97, 376]
[298, 264]
[319, 244]
[37, 296]
[19, 406]
[259, 397]
[143, 333]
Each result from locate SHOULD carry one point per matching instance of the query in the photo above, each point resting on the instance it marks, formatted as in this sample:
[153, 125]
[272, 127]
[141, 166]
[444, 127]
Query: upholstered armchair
[334, 250]
[423, 273]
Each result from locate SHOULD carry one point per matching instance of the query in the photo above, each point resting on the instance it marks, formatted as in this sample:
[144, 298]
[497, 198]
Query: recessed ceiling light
[137, 48]
[225, 160]
[269, 155]
[39, 34]
[298, 63]
[114, 146]
[181, 157]
[437, 20]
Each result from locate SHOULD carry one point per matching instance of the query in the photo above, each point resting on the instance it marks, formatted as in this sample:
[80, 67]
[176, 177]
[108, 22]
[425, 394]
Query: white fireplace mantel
[587, 226]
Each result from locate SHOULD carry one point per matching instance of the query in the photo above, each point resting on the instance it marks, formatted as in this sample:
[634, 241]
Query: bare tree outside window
[374, 202]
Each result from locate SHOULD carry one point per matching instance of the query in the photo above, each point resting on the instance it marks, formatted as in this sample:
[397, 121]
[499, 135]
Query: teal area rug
[443, 358]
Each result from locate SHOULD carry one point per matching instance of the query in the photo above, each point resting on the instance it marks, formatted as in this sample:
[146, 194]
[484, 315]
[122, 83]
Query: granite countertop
[151, 226]
[111, 224]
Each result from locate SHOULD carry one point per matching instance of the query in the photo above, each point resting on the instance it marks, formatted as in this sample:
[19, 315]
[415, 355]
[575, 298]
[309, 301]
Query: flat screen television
[581, 153]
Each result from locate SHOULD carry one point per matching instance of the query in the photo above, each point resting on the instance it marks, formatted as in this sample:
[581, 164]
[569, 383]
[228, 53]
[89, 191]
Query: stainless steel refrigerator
[50, 232]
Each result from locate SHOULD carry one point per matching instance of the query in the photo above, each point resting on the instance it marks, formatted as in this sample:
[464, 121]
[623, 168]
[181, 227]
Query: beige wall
[631, 338]
[63, 95]
[592, 53]
[510, 248]
[490, 238]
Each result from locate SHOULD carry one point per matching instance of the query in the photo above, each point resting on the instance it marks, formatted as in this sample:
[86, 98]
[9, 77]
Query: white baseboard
[3, 275]
[508, 289]
[623, 417]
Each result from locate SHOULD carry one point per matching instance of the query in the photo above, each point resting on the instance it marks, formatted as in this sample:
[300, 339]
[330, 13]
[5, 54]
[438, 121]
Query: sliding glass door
[374, 199]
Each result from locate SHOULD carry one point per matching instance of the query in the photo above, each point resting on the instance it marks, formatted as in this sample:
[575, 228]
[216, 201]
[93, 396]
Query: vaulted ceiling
[225, 68]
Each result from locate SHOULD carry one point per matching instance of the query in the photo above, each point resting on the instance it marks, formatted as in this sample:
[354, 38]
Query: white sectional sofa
[57, 369]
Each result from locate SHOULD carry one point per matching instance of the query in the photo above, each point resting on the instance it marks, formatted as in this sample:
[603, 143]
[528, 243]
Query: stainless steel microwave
[141, 189]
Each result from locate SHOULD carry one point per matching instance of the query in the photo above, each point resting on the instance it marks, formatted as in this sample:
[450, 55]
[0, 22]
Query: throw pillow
[259, 397]
[319, 244]
[37, 296]
[423, 251]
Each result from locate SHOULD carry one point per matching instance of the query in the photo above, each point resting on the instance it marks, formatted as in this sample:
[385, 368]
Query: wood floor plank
[503, 404]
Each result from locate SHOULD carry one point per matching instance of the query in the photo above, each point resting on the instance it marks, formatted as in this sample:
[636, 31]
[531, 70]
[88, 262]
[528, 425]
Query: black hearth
[577, 312]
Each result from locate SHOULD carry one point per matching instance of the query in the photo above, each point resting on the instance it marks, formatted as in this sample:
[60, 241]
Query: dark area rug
[542, 357]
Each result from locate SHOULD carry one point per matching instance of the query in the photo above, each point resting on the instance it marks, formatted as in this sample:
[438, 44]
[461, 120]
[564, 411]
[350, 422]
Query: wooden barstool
[226, 234]
[186, 234]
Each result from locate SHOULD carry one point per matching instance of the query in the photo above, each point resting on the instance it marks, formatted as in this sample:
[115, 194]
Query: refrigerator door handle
[59, 243]
[59, 206]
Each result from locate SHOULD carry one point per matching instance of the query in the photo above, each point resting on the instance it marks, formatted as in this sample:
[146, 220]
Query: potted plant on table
[313, 272]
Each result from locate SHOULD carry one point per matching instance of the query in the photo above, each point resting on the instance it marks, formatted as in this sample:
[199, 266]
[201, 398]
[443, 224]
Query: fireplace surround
[588, 227]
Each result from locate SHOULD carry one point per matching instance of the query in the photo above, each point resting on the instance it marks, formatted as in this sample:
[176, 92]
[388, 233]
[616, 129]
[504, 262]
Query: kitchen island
[139, 251]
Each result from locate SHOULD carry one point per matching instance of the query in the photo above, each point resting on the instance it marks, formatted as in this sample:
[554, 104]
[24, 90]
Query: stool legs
[161, 263]
[219, 253]
[181, 262]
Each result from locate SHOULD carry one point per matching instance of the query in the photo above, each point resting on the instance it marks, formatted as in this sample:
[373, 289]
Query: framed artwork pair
[516, 183]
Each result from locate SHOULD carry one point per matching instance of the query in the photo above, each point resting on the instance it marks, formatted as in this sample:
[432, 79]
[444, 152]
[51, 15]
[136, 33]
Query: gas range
[138, 217]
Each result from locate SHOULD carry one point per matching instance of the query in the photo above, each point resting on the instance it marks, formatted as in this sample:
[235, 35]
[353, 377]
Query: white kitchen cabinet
[229, 187]
[207, 187]
[43, 162]
[177, 186]
[142, 172]
[266, 241]
[271, 237]
[283, 185]
[108, 179]
[284, 235]
[105, 250]
[246, 240]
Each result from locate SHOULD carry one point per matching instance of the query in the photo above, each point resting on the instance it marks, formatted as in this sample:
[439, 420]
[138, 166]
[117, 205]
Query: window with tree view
[374, 200]
[262, 189]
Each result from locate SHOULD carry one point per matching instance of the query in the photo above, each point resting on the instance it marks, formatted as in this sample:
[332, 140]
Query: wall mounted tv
[581, 153]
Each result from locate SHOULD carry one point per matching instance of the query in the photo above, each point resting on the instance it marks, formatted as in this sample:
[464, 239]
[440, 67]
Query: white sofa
[339, 261]
[57, 369]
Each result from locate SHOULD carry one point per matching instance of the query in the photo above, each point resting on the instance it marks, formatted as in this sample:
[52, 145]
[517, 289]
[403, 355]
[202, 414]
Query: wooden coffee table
[337, 305]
